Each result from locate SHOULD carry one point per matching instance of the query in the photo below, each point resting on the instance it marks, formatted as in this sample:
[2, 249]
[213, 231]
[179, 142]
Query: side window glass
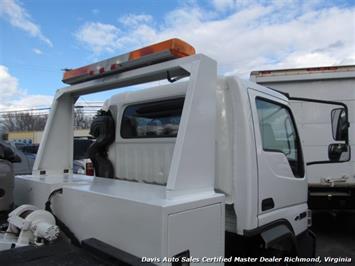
[152, 120]
[279, 134]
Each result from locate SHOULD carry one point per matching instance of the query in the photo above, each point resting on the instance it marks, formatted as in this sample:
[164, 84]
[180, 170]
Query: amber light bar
[152, 54]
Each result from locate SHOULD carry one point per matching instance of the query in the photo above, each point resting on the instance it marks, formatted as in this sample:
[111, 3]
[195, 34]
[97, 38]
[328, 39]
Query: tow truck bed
[58, 253]
[92, 252]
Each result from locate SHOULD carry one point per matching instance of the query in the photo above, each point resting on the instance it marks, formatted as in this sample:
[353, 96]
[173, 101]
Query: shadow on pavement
[335, 235]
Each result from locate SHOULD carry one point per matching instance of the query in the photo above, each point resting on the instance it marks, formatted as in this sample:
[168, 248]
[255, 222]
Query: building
[36, 136]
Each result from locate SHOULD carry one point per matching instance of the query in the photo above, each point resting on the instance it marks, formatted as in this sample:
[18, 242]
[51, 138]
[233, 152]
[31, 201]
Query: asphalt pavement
[335, 236]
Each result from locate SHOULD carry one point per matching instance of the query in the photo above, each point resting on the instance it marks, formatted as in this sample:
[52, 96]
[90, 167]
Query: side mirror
[340, 124]
[339, 152]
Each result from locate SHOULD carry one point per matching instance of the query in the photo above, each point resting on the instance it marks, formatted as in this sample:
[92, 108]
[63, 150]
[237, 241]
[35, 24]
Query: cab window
[159, 119]
[279, 134]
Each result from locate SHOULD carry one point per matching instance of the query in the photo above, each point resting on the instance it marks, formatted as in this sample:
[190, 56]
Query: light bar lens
[159, 52]
[177, 47]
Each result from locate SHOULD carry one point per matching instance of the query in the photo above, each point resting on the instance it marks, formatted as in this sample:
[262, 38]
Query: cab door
[282, 186]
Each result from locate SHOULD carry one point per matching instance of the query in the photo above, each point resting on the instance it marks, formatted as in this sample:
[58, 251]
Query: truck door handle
[267, 204]
[301, 216]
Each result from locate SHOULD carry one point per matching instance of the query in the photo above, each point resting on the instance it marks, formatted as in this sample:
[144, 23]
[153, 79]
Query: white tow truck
[331, 184]
[209, 169]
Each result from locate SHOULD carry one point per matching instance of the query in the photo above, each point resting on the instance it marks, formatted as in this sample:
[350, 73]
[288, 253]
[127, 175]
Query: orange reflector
[156, 53]
[82, 71]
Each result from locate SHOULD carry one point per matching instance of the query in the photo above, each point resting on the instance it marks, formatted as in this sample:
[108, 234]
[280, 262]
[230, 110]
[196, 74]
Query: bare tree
[29, 121]
[23, 121]
[81, 120]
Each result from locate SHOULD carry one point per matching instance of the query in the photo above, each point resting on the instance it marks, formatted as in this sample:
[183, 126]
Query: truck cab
[258, 154]
[199, 168]
[331, 177]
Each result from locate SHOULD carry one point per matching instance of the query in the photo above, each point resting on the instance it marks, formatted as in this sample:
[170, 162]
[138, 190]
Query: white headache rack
[55, 155]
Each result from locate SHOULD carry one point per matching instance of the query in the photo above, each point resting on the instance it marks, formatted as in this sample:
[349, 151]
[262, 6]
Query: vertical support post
[193, 163]
[55, 152]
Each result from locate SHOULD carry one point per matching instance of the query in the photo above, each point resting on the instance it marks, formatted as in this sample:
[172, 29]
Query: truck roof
[177, 89]
[308, 73]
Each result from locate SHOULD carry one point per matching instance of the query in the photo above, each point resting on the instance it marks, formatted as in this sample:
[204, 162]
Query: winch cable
[74, 240]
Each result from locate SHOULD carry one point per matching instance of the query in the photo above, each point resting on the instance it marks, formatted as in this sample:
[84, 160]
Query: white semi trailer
[201, 169]
[331, 185]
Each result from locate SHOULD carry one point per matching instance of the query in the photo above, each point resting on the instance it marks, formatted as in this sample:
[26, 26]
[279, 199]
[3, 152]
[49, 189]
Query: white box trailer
[206, 169]
[331, 185]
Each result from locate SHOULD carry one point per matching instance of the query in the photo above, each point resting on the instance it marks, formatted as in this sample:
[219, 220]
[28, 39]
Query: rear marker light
[89, 169]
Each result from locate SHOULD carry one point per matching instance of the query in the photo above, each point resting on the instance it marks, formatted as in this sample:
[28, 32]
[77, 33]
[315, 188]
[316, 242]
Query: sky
[39, 38]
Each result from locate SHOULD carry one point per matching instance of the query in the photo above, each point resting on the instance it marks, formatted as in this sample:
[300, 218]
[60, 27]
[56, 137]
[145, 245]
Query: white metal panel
[312, 120]
[187, 230]
[144, 161]
[290, 213]
[34, 189]
[244, 164]
[193, 162]
[335, 170]
[312, 113]
[224, 141]
[315, 153]
[127, 215]
[134, 227]
[304, 74]
[335, 90]
[277, 181]
[275, 178]
[316, 172]
[321, 135]
[55, 153]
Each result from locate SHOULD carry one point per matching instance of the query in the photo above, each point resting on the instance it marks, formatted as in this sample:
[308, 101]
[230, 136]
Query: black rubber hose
[66, 230]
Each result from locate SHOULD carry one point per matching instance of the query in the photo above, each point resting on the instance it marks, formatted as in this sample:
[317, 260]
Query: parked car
[28, 148]
[28, 152]
[7, 158]
[82, 164]
[25, 164]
